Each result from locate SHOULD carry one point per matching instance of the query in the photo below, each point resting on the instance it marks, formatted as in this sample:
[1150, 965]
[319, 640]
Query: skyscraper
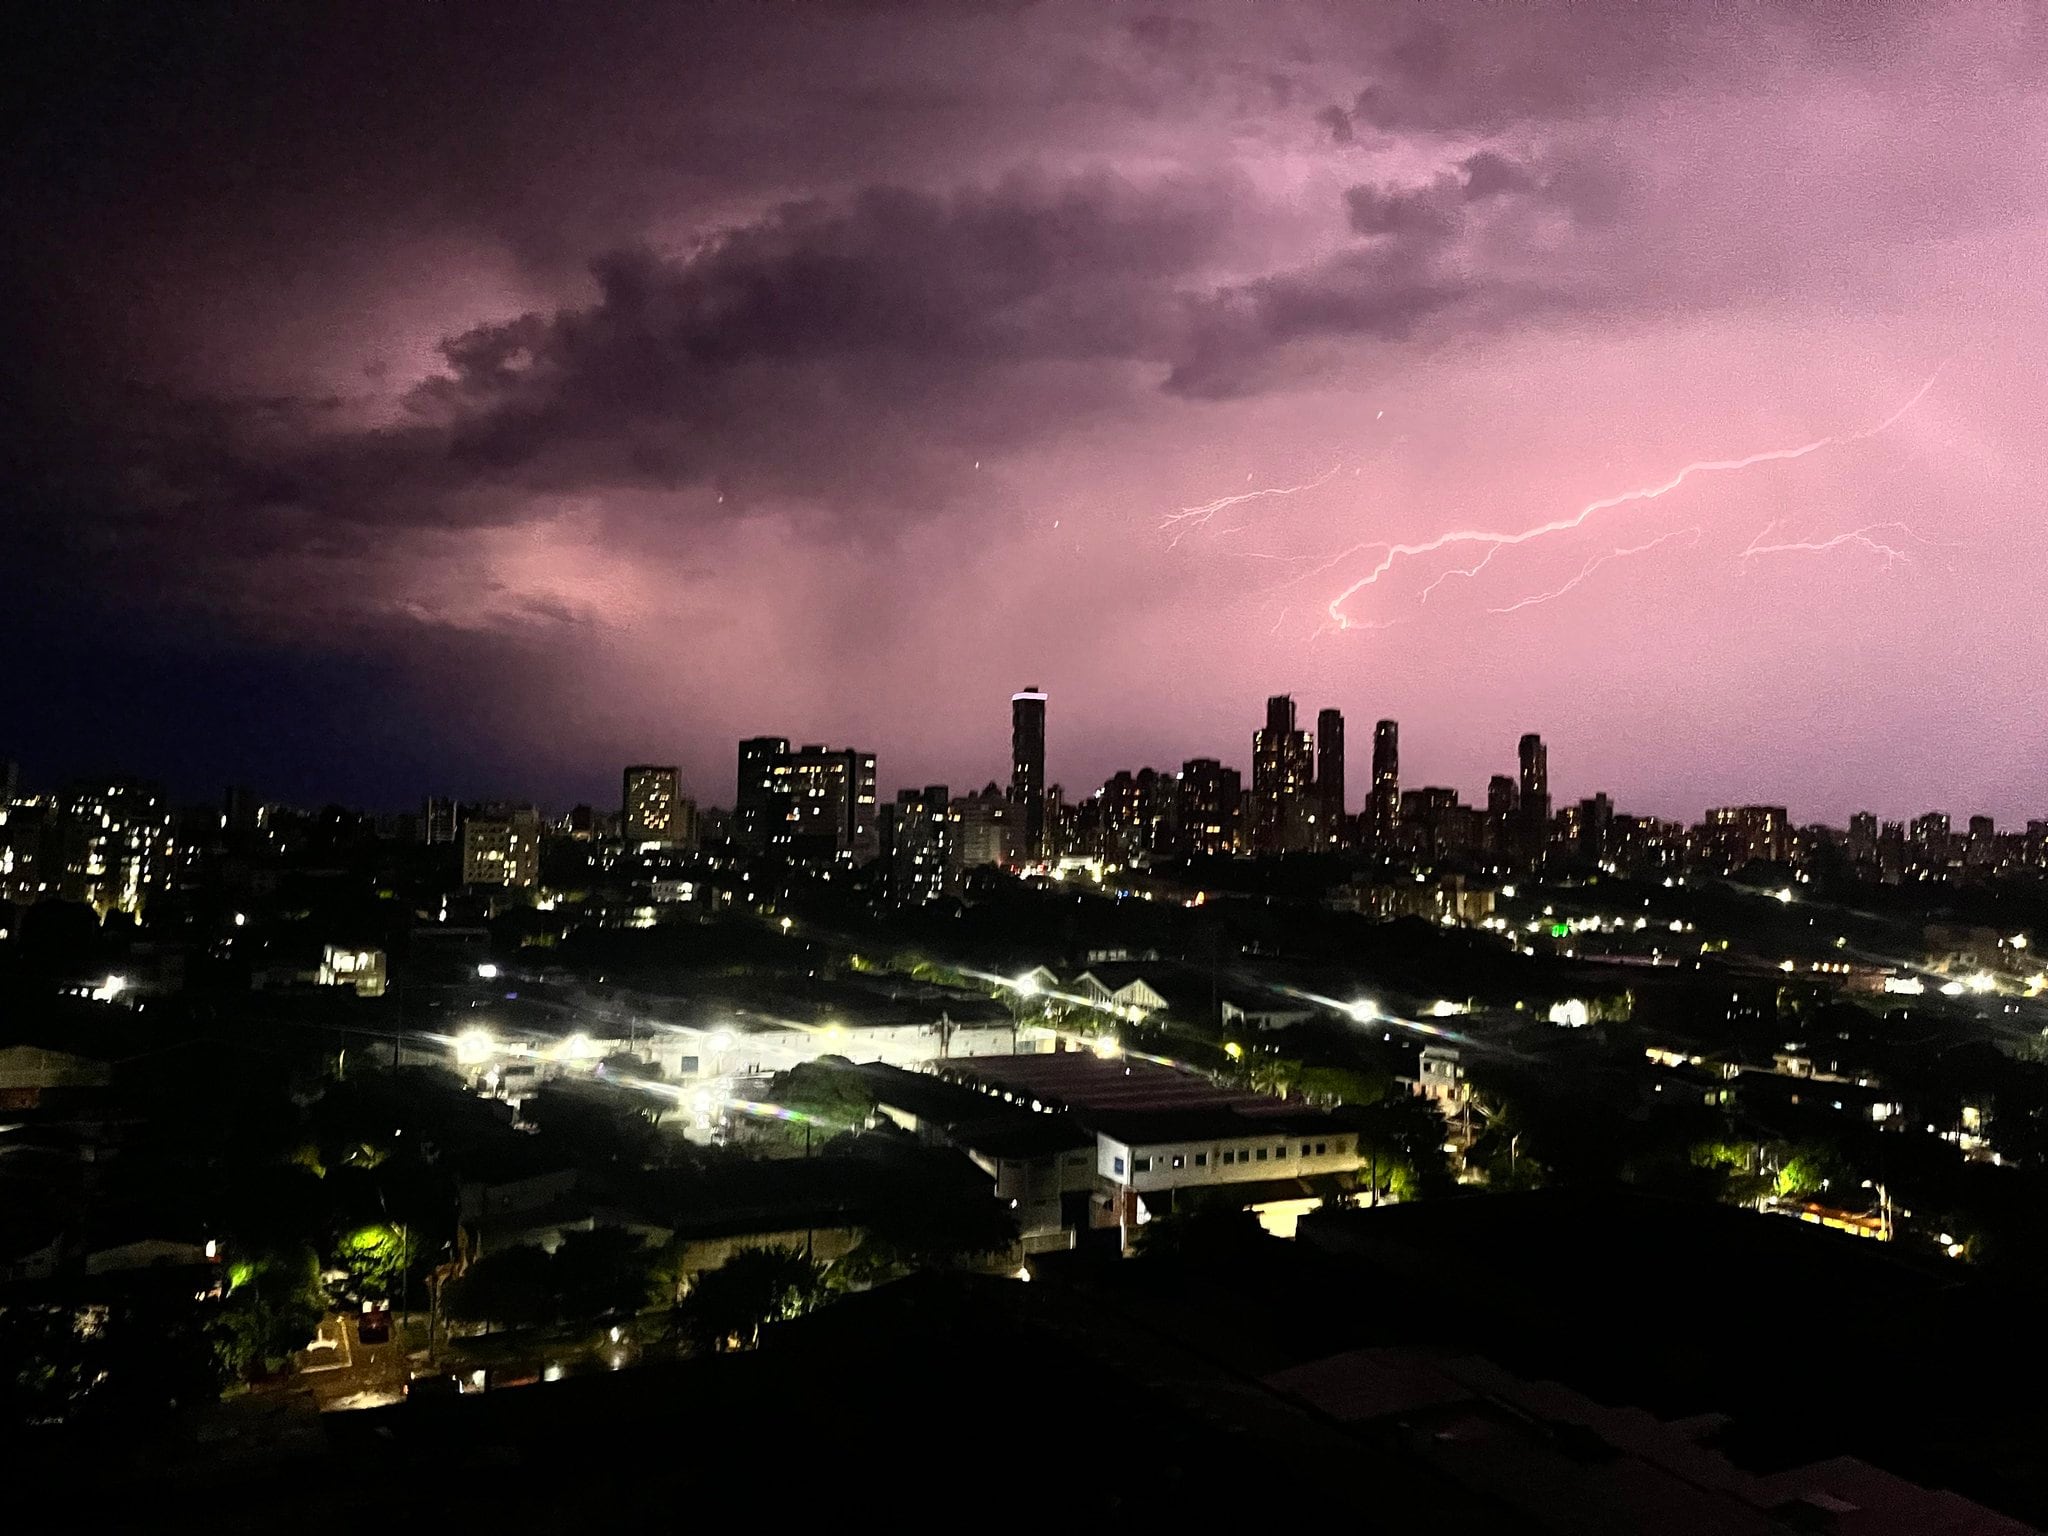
[1386, 783]
[917, 843]
[761, 803]
[831, 800]
[651, 801]
[1027, 766]
[1211, 798]
[1330, 777]
[1502, 797]
[1535, 775]
[1535, 808]
[1283, 781]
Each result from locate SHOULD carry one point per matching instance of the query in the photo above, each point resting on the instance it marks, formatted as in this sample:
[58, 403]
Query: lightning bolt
[1189, 519]
[1594, 564]
[1393, 554]
[1892, 554]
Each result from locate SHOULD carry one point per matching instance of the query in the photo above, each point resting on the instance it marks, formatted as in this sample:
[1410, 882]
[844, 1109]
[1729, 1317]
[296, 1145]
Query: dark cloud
[455, 332]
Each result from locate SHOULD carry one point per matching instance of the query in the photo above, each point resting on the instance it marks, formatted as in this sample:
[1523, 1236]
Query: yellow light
[473, 1047]
[1233, 1050]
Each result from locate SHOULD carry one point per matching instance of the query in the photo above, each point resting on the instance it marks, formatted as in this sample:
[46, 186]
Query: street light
[1884, 1207]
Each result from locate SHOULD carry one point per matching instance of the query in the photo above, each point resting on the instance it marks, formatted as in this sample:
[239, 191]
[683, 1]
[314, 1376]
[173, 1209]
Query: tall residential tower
[1027, 767]
[1386, 783]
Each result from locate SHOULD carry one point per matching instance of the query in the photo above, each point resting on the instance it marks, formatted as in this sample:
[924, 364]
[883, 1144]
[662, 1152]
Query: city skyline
[1486, 370]
[1378, 779]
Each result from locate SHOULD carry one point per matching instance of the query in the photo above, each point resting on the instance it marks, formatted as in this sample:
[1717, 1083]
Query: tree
[273, 1306]
[1206, 1234]
[512, 1288]
[1401, 1139]
[604, 1270]
[1342, 1085]
[826, 1096]
[376, 1258]
[728, 1306]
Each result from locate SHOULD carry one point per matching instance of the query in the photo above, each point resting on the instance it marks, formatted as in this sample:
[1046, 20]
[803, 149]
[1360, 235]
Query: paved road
[344, 1372]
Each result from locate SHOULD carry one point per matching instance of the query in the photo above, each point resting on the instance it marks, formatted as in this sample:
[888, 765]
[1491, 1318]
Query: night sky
[475, 398]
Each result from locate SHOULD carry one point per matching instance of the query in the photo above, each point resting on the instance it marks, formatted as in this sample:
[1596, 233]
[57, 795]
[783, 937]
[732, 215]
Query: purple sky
[479, 397]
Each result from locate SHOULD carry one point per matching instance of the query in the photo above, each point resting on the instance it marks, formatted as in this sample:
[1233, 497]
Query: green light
[1560, 930]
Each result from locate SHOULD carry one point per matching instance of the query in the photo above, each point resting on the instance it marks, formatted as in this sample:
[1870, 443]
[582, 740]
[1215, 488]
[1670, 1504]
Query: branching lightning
[1188, 519]
[1860, 536]
[1392, 554]
[1595, 563]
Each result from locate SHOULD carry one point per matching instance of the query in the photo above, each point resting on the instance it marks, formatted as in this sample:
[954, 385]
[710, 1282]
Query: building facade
[1027, 767]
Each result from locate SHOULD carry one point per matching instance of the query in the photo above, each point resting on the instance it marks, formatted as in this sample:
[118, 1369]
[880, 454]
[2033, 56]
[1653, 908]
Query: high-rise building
[761, 800]
[1595, 823]
[241, 815]
[988, 830]
[1930, 837]
[1211, 798]
[440, 820]
[1981, 852]
[127, 850]
[1139, 815]
[916, 834]
[502, 848]
[1027, 766]
[1386, 784]
[1748, 834]
[1863, 838]
[1434, 822]
[1330, 777]
[1535, 776]
[832, 805]
[1534, 810]
[1503, 798]
[1283, 781]
[653, 793]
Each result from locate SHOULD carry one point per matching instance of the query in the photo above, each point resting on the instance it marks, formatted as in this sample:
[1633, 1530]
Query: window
[1179, 1161]
[1281, 1150]
[1262, 1154]
[1141, 1165]
[1119, 1165]
[1229, 1158]
[1322, 1148]
[1201, 1159]
[1304, 1149]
